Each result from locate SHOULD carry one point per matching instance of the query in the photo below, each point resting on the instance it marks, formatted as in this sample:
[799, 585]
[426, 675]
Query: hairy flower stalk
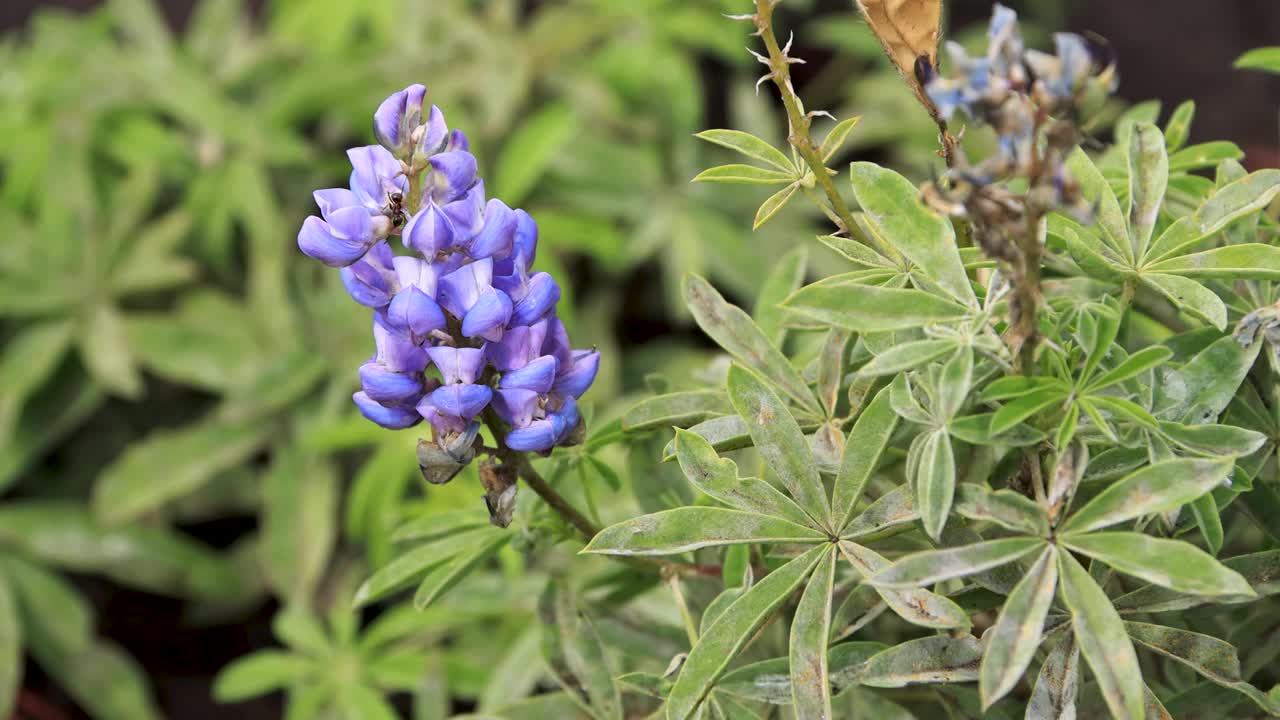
[1031, 99]
[461, 321]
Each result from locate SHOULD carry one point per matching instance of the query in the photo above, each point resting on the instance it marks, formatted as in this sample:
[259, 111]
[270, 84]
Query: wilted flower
[462, 322]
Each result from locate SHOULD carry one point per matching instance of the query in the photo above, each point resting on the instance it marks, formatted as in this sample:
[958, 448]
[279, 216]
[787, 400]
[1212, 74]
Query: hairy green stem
[799, 121]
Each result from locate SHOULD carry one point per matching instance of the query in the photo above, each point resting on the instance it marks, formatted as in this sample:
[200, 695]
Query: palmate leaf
[727, 636]
[1013, 640]
[810, 630]
[1100, 634]
[778, 440]
[689, 528]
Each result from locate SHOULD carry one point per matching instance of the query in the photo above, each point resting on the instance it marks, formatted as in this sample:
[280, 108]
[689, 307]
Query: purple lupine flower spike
[465, 300]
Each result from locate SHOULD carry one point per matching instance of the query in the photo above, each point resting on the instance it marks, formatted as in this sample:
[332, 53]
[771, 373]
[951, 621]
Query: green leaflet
[864, 308]
[722, 641]
[935, 659]
[689, 528]
[1172, 563]
[749, 145]
[1013, 640]
[778, 439]
[576, 655]
[1156, 488]
[906, 356]
[1100, 634]
[810, 630]
[915, 605]
[680, 409]
[1148, 178]
[718, 478]
[935, 482]
[258, 674]
[862, 451]
[892, 209]
[1096, 191]
[735, 331]
[932, 566]
[1054, 694]
[1189, 296]
[1006, 508]
[785, 278]
[10, 647]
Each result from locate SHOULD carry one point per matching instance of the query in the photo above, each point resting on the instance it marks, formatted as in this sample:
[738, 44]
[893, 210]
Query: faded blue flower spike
[462, 322]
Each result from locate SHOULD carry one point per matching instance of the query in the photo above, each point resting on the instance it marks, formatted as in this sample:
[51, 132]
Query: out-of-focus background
[179, 456]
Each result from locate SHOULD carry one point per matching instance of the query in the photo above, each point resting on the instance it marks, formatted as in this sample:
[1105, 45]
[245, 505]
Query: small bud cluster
[1017, 91]
[460, 323]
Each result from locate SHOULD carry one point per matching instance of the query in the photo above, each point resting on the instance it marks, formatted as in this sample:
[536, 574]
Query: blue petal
[516, 405]
[395, 348]
[333, 199]
[415, 311]
[579, 376]
[458, 141]
[461, 289]
[463, 401]
[387, 387]
[416, 272]
[374, 168]
[538, 375]
[488, 317]
[392, 418]
[434, 134]
[398, 115]
[557, 342]
[453, 171]
[465, 211]
[517, 348]
[457, 365]
[537, 436]
[498, 233]
[540, 297]
[316, 240]
[371, 281]
[429, 231]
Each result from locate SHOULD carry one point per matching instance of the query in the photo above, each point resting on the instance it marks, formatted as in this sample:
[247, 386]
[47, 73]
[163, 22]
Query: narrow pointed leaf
[915, 605]
[748, 145]
[689, 528]
[905, 357]
[1208, 519]
[1006, 508]
[1054, 694]
[1250, 261]
[1220, 440]
[10, 648]
[1148, 178]
[935, 659]
[718, 478]
[737, 333]
[1190, 297]
[727, 636]
[862, 451]
[1013, 640]
[409, 566]
[680, 409]
[1207, 655]
[1102, 639]
[1156, 488]
[773, 204]
[575, 654]
[1178, 128]
[1024, 407]
[1097, 192]
[745, 175]
[810, 628]
[932, 566]
[936, 483]
[1173, 564]
[1133, 365]
[785, 278]
[441, 579]
[258, 674]
[778, 439]
[865, 308]
[892, 512]
[832, 143]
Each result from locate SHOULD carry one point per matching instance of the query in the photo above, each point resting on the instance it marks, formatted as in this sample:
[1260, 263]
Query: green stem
[690, 628]
[799, 121]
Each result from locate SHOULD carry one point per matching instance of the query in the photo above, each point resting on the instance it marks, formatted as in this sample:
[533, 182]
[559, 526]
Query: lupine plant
[1013, 453]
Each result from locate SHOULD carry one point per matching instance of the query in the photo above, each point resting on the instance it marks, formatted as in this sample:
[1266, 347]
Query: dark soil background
[1169, 49]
